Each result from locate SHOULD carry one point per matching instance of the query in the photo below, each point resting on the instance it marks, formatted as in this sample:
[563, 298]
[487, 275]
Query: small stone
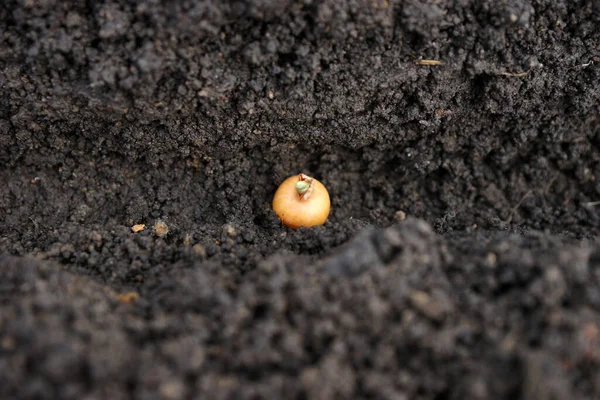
[160, 229]
[67, 250]
[249, 235]
[8, 343]
[128, 298]
[491, 260]
[230, 230]
[400, 215]
[81, 213]
[138, 228]
[426, 305]
[172, 390]
[199, 250]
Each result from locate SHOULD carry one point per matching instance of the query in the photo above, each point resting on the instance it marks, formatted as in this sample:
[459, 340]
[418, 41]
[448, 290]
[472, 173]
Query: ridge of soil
[459, 259]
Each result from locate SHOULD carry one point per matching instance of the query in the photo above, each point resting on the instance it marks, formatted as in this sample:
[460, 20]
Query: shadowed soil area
[459, 143]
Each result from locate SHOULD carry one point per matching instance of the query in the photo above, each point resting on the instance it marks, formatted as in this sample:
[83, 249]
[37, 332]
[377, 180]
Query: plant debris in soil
[141, 144]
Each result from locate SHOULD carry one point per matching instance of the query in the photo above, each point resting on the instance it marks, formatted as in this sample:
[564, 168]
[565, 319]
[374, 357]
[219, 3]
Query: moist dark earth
[459, 141]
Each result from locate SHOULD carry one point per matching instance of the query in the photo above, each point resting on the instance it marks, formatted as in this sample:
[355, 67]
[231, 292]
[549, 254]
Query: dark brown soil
[460, 259]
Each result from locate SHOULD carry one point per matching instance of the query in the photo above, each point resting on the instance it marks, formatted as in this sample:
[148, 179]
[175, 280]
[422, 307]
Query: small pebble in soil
[400, 215]
[138, 228]
[160, 229]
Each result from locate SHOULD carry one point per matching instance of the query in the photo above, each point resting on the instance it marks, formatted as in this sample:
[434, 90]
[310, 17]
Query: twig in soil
[420, 61]
[587, 64]
[515, 75]
[595, 60]
[591, 204]
[546, 189]
[35, 224]
[515, 208]
[549, 185]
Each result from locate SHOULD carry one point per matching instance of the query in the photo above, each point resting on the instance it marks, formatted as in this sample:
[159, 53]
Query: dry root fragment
[428, 62]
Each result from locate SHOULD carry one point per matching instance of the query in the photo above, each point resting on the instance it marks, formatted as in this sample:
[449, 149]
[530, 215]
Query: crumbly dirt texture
[460, 258]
